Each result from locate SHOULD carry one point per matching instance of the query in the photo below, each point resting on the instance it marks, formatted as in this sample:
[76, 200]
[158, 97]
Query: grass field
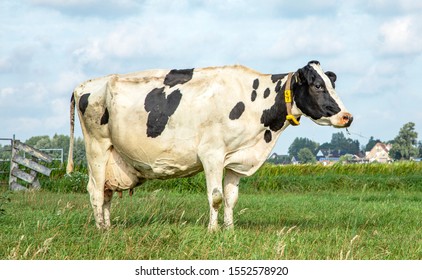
[295, 212]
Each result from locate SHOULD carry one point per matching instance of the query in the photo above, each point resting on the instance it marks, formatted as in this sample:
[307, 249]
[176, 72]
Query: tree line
[404, 147]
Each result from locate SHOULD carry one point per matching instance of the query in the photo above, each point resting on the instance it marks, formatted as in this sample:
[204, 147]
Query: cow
[160, 124]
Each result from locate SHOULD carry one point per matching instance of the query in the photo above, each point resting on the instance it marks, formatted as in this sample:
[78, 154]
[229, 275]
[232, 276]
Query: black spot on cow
[178, 77]
[83, 102]
[267, 92]
[255, 84]
[253, 95]
[268, 136]
[277, 77]
[278, 87]
[104, 118]
[275, 116]
[237, 111]
[160, 108]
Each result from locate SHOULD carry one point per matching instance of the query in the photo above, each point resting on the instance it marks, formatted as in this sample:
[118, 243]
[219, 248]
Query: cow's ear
[306, 76]
[332, 76]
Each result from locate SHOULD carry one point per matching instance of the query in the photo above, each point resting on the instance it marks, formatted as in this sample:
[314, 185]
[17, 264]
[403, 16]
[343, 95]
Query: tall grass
[361, 224]
[401, 175]
[297, 178]
[397, 168]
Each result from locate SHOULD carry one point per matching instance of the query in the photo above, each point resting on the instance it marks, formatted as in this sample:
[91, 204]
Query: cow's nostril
[347, 119]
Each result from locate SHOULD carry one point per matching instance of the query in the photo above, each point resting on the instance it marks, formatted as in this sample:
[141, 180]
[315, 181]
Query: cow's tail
[69, 167]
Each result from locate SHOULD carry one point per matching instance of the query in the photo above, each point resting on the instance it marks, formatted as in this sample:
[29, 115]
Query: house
[320, 155]
[328, 157]
[379, 153]
[278, 159]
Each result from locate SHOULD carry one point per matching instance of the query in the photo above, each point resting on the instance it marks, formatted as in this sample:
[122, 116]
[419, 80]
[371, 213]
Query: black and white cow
[161, 124]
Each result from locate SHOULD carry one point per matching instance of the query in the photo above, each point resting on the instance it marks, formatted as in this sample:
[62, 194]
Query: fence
[55, 154]
[26, 169]
[5, 155]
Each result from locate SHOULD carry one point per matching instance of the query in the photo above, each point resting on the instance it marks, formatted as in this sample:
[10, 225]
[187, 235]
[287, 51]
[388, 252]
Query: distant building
[278, 159]
[379, 153]
[328, 157]
[319, 155]
[274, 156]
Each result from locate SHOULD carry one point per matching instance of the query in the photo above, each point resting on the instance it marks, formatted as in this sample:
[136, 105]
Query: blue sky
[48, 47]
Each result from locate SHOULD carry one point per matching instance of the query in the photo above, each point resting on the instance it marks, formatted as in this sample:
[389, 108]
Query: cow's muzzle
[345, 120]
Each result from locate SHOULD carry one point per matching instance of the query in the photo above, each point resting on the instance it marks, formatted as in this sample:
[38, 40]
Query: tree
[341, 145]
[404, 145]
[300, 143]
[39, 142]
[5, 152]
[79, 156]
[305, 155]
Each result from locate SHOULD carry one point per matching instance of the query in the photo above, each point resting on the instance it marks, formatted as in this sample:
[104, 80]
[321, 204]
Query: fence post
[13, 181]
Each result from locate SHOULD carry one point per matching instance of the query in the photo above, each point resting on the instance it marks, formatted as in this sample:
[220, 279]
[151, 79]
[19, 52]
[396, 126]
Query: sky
[48, 47]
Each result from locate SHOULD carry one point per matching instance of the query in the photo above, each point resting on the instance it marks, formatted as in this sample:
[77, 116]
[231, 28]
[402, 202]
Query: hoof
[229, 227]
[213, 229]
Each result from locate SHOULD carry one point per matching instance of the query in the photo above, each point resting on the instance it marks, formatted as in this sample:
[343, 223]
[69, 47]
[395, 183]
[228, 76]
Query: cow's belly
[166, 168]
[159, 161]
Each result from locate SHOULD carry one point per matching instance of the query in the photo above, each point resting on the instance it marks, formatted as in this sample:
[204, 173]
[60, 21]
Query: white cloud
[393, 7]
[28, 95]
[91, 8]
[66, 82]
[401, 36]
[90, 52]
[57, 120]
[307, 37]
[23, 124]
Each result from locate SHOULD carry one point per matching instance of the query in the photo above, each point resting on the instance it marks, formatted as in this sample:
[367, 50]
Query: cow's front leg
[213, 175]
[108, 195]
[231, 193]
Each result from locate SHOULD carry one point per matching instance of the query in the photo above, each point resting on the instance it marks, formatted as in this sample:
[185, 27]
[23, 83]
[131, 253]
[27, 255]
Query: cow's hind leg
[213, 175]
[231, 193]
[97, 156]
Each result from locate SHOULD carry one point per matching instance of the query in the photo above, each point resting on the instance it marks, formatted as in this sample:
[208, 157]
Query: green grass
[304, 212]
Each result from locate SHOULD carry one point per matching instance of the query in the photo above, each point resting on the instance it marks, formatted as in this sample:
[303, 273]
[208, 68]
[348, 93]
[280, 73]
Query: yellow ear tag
[292, 120]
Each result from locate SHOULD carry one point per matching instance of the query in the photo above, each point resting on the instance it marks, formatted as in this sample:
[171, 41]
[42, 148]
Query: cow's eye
[318, 86]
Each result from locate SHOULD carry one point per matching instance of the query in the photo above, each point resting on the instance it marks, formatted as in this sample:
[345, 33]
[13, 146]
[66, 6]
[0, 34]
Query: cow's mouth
[344, 120]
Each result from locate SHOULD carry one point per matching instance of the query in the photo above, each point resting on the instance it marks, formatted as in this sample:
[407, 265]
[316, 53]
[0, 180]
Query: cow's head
[315, 96]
